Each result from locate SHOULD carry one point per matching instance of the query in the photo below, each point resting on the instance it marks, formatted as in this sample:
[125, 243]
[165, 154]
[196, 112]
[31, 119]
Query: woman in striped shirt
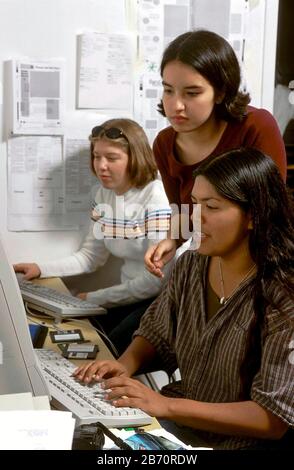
[225, 317]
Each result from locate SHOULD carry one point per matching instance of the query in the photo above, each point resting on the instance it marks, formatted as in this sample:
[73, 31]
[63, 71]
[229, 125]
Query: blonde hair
[141, 167]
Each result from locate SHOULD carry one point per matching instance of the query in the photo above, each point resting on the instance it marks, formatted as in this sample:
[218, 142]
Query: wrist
[127, 365]
[167, 408]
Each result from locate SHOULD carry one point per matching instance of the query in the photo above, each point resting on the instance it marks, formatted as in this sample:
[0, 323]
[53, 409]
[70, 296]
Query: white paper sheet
[37, 96]
[80, 183]
[36, 430]
[106, 64]
[17, 401]
[36, 184]
[23, 401]
[254, 50]
[177, 18]
[158, 23]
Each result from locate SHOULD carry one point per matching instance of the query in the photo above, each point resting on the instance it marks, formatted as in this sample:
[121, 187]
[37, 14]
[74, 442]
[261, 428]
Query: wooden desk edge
[88, 330]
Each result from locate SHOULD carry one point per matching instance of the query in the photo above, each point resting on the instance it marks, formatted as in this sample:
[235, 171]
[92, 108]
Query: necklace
[223, 298]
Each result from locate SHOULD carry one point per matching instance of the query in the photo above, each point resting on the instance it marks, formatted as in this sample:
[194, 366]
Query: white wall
[269, 54]
[43, 29]
[48, 29]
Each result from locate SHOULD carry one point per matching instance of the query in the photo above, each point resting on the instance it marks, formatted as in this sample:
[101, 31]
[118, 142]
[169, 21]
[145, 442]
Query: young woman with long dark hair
[225, 317]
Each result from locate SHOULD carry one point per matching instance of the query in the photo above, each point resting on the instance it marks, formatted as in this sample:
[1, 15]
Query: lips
[178, 119]
[200, 235]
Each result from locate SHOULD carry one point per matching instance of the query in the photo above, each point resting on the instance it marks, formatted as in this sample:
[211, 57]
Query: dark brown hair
[214, 58]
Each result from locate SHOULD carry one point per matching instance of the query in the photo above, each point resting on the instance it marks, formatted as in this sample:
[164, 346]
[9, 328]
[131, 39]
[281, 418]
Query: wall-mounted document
[36, 184]
[105, 75]
[158, 24]
[37, 96]
[80, 183]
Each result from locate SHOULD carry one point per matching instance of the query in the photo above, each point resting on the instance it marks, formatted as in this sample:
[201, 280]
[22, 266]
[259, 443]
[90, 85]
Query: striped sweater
[124, 226]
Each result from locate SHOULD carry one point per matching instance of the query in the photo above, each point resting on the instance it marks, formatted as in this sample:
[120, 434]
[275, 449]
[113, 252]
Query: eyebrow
[190, 87]
[204, 199]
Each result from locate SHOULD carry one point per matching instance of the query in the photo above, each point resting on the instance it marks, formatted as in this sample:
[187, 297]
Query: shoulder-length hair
[214, 58]
[252, 180]
[141, 167]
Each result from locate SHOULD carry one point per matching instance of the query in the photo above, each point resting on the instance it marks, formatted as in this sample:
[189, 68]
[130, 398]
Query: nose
[196, 216]
[101, 163]
[179, 103]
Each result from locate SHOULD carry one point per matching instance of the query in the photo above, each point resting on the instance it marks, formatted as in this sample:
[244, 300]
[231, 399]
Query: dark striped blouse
[209, 353]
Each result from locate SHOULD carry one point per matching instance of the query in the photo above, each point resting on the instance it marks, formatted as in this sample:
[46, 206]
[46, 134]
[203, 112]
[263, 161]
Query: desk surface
[83, 324]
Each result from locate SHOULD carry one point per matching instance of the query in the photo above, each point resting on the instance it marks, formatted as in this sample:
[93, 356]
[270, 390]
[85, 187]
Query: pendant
[222, 300]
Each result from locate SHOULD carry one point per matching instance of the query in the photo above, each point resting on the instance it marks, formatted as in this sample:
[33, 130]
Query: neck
[235, 273]
[209, 130]
[121, 192]
[237, 263]
[228, 288]
[233, 268]
[196, 145]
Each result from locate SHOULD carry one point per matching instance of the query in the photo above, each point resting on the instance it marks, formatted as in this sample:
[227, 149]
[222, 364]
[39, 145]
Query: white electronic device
[57, 304]
[49, 373]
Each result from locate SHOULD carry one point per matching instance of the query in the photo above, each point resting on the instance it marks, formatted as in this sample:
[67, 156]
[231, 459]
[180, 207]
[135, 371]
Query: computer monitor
[19, 368]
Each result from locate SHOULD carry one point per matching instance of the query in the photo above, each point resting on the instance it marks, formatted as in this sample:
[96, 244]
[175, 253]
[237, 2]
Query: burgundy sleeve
[171, 185]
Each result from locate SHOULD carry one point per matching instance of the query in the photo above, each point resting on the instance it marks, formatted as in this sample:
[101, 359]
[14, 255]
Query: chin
[204, 250]
[106, 185]
[184, 127]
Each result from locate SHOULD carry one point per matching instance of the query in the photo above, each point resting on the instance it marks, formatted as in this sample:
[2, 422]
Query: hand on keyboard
[122, 391]
[29, 270]
[86, 401]
[82, 295]
[98, 370]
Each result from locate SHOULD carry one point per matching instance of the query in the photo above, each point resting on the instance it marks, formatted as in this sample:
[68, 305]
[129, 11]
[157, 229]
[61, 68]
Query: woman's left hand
[125, 391]
[82, 295]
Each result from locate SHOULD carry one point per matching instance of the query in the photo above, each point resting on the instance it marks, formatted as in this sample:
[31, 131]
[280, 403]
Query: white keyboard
[86, 402]
[57, 304]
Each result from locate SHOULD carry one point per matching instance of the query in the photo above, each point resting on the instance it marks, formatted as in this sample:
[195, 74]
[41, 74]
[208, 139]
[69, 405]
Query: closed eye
[108, 158]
